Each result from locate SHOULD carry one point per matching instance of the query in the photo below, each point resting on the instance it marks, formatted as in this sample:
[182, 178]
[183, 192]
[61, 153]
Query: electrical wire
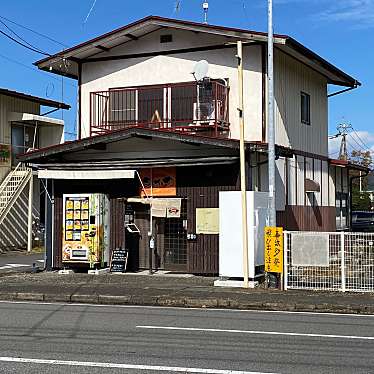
[19, 37]
[360, 139]
[34, 70]
[33, 31]
[24, 45]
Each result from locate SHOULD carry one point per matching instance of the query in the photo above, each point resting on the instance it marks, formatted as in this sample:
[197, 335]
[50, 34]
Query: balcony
[188, 107]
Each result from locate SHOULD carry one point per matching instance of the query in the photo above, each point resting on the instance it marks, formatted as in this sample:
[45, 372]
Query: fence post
[342, 251]
[285, 260]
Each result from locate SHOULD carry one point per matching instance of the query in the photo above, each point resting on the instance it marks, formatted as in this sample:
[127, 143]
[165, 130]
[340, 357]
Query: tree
[360, 195]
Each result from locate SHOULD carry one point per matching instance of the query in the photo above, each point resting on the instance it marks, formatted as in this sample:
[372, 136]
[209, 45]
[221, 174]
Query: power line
[22, 44]
[363, 143]
[19, 37]
[34, 70]
[33, 31]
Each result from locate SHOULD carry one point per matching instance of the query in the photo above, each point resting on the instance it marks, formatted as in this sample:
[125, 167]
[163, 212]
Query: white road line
[18, 265]
[257, 332]
[203, 310]
[12, 266]
[124, 366]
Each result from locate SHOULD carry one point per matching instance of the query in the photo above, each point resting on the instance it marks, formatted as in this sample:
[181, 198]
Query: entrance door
[175, 241]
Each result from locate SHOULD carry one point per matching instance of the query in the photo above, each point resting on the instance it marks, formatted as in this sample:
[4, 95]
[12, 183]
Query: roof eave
[346, 80]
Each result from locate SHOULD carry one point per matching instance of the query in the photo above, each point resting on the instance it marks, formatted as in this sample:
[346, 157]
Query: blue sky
[340, 31]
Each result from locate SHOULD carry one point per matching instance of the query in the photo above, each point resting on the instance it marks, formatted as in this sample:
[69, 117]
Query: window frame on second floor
[305, 111]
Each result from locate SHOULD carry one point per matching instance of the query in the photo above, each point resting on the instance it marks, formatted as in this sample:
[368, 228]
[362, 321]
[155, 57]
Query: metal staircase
[11, 188]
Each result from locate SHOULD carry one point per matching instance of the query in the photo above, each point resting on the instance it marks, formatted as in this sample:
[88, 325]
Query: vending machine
[85, 229]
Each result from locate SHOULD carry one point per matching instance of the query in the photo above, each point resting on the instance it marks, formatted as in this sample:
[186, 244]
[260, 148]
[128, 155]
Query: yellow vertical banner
[274, 249]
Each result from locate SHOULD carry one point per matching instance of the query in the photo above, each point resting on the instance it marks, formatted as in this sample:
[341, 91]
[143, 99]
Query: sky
[340, 31]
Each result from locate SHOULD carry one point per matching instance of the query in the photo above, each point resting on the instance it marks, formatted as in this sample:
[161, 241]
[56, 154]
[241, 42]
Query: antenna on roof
[205, 8]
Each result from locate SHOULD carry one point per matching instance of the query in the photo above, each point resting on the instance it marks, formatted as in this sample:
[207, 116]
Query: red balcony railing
[188, 106]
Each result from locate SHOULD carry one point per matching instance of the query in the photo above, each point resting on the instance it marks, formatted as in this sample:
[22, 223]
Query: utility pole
[343, 132]
[271, 129]
[243, 185]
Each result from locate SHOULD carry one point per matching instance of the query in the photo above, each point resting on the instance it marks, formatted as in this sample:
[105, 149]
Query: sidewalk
[172, 290]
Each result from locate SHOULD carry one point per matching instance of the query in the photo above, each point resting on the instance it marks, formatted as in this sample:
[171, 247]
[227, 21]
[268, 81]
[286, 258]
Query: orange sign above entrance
[159, 181]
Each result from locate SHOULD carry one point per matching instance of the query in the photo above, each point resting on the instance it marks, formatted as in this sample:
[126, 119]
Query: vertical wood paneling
[292, 77]
[325, 184]
[57, 231]
[116, 224]
[201, 186]
[292, 182]
[300, 180]
[307, 218]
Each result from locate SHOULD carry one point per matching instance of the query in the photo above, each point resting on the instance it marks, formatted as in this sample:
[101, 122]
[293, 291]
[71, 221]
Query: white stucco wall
[100, 76]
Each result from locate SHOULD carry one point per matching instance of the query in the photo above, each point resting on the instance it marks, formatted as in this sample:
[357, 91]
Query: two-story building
[23, 127]
[141, 110]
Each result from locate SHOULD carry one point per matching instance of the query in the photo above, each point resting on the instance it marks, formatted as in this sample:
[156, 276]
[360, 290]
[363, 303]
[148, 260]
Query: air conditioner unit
[205, 112]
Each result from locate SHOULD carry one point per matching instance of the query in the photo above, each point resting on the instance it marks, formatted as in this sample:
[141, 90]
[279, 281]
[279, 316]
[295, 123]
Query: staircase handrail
[20, 167]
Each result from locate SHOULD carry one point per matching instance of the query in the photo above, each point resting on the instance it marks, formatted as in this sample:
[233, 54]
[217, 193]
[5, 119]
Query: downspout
[350, 194]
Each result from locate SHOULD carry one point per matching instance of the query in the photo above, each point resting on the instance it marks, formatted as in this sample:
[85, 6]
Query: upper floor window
[24, 137]
[305, 108]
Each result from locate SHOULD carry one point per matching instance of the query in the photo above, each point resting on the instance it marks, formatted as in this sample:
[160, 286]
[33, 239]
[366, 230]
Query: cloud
[358, 13]
[361, 12]
[356, 140]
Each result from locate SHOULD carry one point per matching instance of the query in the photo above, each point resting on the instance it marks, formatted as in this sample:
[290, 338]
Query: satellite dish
[200, 70]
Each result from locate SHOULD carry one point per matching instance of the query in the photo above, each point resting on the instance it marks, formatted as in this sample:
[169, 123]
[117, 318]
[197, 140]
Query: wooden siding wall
[117, 224]
[292, 78]
[7, 105]
[202, 253]
[57, 232]
[310, 211]
[307, 218]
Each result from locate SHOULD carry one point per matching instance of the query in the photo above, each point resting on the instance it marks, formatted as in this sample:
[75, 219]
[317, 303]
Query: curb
[186, 302]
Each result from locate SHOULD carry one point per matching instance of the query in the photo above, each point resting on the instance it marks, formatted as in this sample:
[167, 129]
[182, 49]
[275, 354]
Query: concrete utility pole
[243, 185]
[343, 132]
[271, 129]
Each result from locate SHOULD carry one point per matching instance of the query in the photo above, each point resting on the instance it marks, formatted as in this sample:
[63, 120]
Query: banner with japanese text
[274, 249]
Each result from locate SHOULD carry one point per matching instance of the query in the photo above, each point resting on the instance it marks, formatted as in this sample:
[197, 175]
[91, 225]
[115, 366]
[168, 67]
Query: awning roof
[85, 174]
[98, 46]
[35, 99]
[42, 155]
[35, 119]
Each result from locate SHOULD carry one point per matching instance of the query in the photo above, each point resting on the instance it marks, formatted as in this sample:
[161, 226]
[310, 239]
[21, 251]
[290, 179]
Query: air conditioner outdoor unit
[205, 112]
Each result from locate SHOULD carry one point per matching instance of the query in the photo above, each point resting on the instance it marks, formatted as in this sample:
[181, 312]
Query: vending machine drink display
[86, 229]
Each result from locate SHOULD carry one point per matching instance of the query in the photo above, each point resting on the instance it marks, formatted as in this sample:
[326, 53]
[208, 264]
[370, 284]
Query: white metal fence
[329, 261]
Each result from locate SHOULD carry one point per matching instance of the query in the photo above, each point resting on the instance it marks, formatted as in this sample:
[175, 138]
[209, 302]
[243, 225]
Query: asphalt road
[14, 261]
[118, 339]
